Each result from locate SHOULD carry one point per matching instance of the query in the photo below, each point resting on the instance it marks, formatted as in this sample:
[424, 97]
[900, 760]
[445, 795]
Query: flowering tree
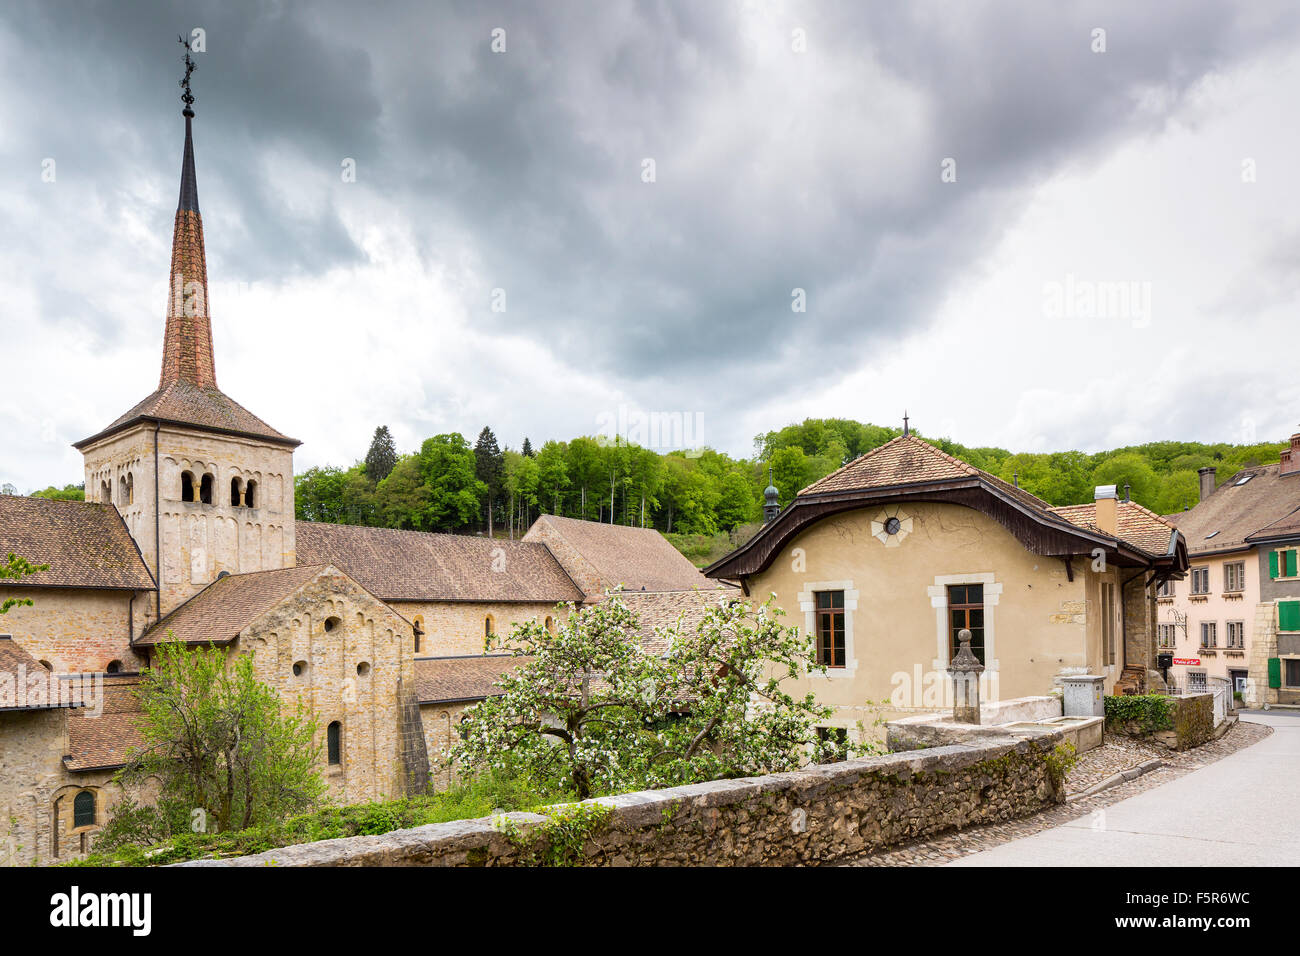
[589, 707]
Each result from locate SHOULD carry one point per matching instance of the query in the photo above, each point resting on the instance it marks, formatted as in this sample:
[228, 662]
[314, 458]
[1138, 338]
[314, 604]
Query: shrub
[1150, 712]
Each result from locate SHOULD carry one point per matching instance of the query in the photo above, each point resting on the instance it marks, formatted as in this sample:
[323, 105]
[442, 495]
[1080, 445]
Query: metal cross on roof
[190, 66]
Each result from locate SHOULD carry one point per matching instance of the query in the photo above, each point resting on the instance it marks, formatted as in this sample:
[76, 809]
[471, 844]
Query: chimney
[1207, 481]
[1291, 457]
[1107, 508]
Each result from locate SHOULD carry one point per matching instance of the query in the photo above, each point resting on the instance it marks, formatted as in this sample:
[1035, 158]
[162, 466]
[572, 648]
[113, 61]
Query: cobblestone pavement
[1115, 755]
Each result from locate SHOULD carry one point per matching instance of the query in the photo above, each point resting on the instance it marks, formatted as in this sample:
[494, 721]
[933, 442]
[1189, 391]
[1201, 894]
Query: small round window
[331, 623]
[363, 669]
[892, 526]
[299, 668]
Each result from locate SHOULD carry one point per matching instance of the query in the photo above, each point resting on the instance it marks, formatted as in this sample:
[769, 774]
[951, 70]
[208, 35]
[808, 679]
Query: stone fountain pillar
[965, 669]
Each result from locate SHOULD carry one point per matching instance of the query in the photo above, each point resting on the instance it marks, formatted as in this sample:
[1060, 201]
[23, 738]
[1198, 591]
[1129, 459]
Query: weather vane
[190, 66]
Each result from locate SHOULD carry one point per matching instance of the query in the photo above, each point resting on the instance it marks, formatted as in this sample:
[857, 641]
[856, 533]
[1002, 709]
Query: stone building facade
[887, 559]
[188, 533]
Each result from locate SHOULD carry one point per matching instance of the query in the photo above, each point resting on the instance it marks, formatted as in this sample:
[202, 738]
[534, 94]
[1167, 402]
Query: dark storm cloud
[817, 170]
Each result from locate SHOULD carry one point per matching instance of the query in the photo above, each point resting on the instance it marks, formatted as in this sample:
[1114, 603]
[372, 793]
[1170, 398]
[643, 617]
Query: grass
[478, 797]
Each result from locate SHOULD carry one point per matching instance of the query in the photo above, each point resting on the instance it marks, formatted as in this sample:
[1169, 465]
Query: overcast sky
[1024, 231]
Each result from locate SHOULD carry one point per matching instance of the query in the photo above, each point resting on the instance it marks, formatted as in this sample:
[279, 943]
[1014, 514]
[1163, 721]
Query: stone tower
[203, 485]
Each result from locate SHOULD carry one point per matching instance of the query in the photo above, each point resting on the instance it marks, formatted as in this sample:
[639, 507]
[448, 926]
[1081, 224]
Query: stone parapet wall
[811, 816]
[1193, 724]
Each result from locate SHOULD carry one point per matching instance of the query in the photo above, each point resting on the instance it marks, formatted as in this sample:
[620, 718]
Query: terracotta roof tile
[421, 566]
[1135, 524]
[17, 666]
[197, 406]
[637, 558]
[228, 605]
[104, 741]
[663, 609]
[910, 460]
[85, 544]
[447, 679]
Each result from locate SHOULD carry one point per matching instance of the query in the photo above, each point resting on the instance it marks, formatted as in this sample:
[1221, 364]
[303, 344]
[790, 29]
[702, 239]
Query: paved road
[1238, 811]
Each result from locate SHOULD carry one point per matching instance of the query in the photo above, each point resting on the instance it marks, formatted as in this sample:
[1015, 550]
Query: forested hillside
[451, 484]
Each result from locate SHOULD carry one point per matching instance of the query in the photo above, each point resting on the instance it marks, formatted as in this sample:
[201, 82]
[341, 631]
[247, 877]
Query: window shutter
[1288, 615]
[1275, 672]
[1290, 564]
[1272, 564]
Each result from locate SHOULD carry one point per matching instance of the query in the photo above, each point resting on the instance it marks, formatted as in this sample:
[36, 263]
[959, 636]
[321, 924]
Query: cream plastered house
[188, 532]
[1236, 616]
[888, 558]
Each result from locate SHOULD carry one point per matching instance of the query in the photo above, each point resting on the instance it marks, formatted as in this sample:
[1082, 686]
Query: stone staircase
[1132, 680]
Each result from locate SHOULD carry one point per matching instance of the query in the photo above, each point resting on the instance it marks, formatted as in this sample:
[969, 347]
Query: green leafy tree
[381, 459]
[585, 471]
[552, 477]
[402, 499]
[590, 708]
[447, 467]
[737, 503]
[218, 742]
[66, 493]
[15, 568]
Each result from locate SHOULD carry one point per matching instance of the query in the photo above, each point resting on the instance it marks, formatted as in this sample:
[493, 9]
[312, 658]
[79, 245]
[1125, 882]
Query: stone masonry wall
[76, 630]
[816, 815]
[452, 628]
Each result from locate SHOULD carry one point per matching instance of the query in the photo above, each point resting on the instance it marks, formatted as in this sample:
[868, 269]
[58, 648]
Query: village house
[887, 559]
[1236, 616]
[188, 533]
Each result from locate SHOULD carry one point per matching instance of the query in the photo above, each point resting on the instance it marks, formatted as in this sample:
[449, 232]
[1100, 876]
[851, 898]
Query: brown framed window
[830, 628]
[966, 611]
[1234, 576]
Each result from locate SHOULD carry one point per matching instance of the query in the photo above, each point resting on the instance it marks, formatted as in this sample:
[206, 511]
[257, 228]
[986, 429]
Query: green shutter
[1272, 564]
[1275, 672]
[1290, 563]
[1288, 615]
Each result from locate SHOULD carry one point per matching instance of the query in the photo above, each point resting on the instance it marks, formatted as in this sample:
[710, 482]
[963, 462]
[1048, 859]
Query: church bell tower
[203, 484]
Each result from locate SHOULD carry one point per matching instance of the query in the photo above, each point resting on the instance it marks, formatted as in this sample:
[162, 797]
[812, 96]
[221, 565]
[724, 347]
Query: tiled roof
[1138, 526]
[104, 741]
[1239, 508]
[228, 605]
[187, 386]
[18, 666]
[1286, 526]
[663, 609]
[421, 566]
[909, 460]
[637, 558]
[85, 544]
[204, 407]
[446, 679]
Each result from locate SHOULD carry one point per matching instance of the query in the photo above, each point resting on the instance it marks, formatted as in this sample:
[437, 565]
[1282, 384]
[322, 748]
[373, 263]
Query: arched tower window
[334, 743]
[130, 488]
[250, 495]
[113, 667]
[419, 632]
[187, 486]
[487, 626]
[205, 489]
[236, 492]
[550, 624]
[83, 809]
[106, 492]
[122, 494]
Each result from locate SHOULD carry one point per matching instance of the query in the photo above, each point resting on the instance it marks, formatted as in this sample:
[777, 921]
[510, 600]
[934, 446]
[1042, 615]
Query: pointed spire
[906, 430]
[187, 341]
